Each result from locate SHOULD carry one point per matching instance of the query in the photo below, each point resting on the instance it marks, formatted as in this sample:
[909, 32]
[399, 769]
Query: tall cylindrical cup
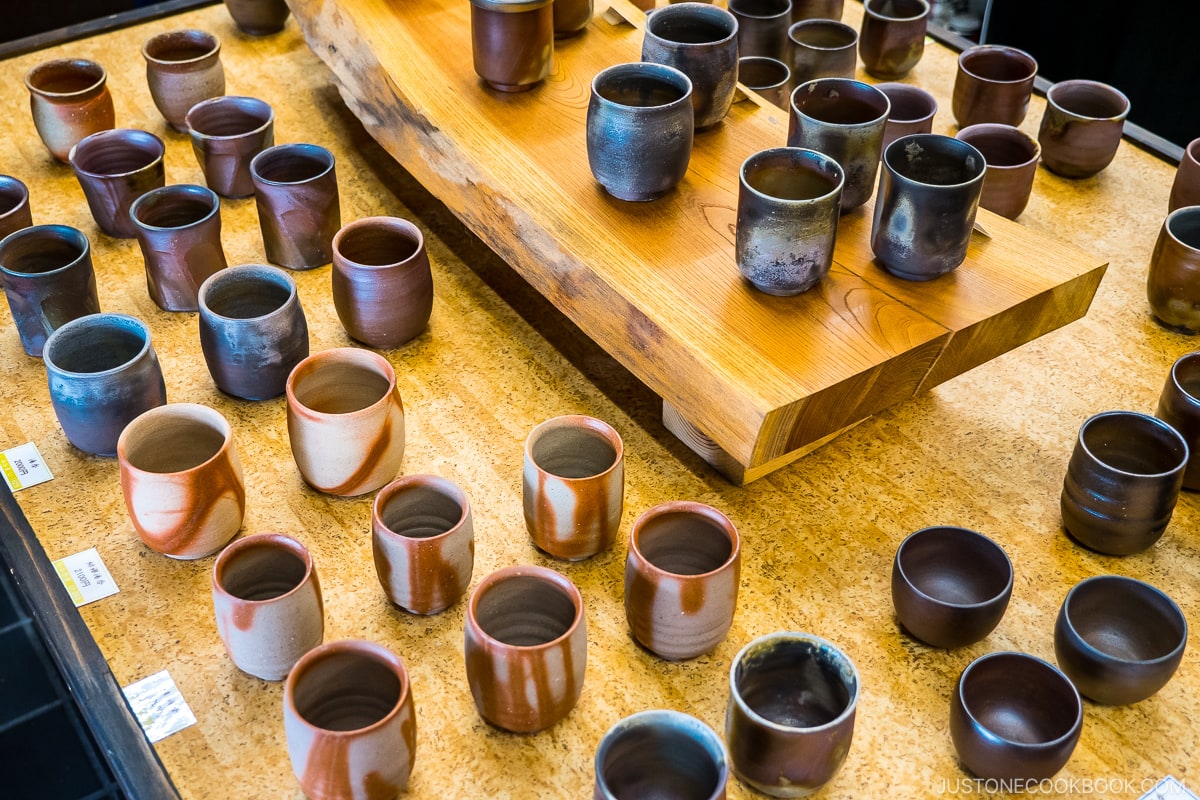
[699, 40]
[296, 192]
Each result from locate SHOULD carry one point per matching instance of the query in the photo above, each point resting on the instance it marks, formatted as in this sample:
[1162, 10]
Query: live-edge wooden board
[750, 381]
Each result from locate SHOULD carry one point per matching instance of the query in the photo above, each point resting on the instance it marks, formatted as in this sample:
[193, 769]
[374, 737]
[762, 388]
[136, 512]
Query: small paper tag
[86, 577]
[1169, 789]
[23, 466]
[159, 707]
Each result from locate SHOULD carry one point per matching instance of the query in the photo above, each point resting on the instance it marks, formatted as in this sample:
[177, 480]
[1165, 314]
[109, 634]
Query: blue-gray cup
[699, 40]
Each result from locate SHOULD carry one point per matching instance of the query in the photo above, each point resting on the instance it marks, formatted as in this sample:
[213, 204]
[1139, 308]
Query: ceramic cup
[102, 372]
[844, 119]
[258, 17]
[1179, 407]
[573, 486]
[512, 42]
[179, 230]
[382, 285]
[993, 84]
[114, 168]
[790, 717]
[817, 9]
[1185, 189]
[789, 200]
[762, 28]
[681, 579]
[925, 213]
[1173, 281]
[912, 111]
[525, 647]
[296, 192]
[660, 753]
[48, 281]
[14, 205]
[423, 542]
[253, 331]
[1012, 158]
[700, 41]
[227, 132]
[892, 38]
[345, 421]
[1082, 127]
[267, 601]
[766, 77]
[183, 68]
[1122, 482]
[639, 130]
[69, 100]
[350, 723]
[571, 17]
[822, 48]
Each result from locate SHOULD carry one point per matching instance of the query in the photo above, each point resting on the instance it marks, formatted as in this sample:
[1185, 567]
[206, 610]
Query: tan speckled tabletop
[986, 450]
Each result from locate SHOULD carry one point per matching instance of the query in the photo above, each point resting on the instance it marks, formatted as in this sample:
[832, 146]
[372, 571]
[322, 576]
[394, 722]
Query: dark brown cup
[1173, 282]
[258, 17]
[296, 192]
[1179, 407]
[571, 17]
[817, 9]
[993, 84]
[114, 168]
[69, 99]
[1185, 190]
[14, 206]
[767, 78]
[912, 111]
[822, 48]
[227, 132]
[512, 42]
[660, 754]
[1012, 159]
[1082, 127]
[892, 38]
[179, 230]
[48, 281]
[762, 28]
[183, 68]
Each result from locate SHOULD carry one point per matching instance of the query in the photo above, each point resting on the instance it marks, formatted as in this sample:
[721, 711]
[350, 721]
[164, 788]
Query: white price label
[86, 577]
[23, 466]
[158, 706]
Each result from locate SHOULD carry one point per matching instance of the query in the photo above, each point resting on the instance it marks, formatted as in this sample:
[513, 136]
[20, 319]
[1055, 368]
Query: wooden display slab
[749, 381]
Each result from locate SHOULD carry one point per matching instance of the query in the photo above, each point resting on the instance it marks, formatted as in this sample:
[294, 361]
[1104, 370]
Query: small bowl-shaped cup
[1012, 157]
[950, 586]
[1179, 406]
[1014, 717]
[182, 68]
[1119, 640]
[912, 110]
[1173, 280]
[1082, 127]
[661, 753]
[767, 77]
[258, 17]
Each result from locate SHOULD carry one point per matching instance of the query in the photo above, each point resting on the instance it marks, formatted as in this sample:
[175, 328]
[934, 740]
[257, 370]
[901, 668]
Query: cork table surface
[985, 450]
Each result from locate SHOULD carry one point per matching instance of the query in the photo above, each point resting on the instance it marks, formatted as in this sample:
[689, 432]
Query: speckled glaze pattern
[1082, 127]
[701, 41]
[1173, 280]
[1179, 407]
[423, 542]
[925, 211]
[912, 111]
[1012, 158]
[660, 753]
[1118, 639]
[525, 647]
[14, 205]
[822, 48]
[762, 28]
[512, 43]
[1122, 482]
[639, 130]
[258, 17]
[299, 210]
[993, 83]
[182, 68]
[102, 372]
[571, 17]
[789, 722]
[573, 486]
[178, 228]
[69, 99]
[182, 479]
[267, 603]
[114, 168]
[1185, 188]
[682, 572]
[817, 9]
[350, 722]
[227, 132]
[1014, 716]
[48, 281]
[844, 119]
[345, 421]
[789, 202]
[767, 77]
[253, 331]
[892, 39]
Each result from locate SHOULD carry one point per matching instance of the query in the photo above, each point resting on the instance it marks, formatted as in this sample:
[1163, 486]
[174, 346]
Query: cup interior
[572, 451]
[1001, 145]
[228, 116]
[759, 72]
[683, 543]
[524, 611]
[345, 690]
[180, 46]
[954, 566]
[840, 102]
[117, 152]
[65, 77]
[12, 194]
[335, 386]
[378, 245]
[94, 344]
[823, 34]
[1184, 225]
[174, 207]
[704, 25]
[934, 160]
[1088, 99]
[661, 760]
[262, 570]
[1019, 698]
[998, 64]
[639, 90]
[794, 683]
[1134, 444]
[240, 294]
[292, 163]
[790, 176]
[420, 511]
[1125, 619]
[172, 439]
[36, 251]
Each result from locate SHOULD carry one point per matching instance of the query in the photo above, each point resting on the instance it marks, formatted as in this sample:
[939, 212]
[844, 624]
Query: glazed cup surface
[660, 753]
[1179, 406]
[701, 41]
[767, 77]
[1173, 280]
[1082, 127]
[227, 132]
[993, 83]
[1012, 158]
[299, 211]
[178, 228]
[822, 48]
[114, 168]
[892, 39]
[258, 17]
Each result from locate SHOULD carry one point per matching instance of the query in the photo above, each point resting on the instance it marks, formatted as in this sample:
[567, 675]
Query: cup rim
[22, 192]
[1079, 83]
[239, 101]
[78, 237]
[799, 155]
[662, 72]
[268, 272]
[124, 321]
[194, 411]
[543, 574]
[171, 189]
[699, 731]
[768, 62]
[687, 9]
[145, 138]
[356, 355]
[829, 24]
[971, 52]
[186, 34]
[845, 83]
[573, 421]
[971, 534]
[1143, 419]
[941, 141]
[273, 540]
[442, 486]
[1132, 584]
[1169, 224]
[879, 15]
[694, 508]
[321, 153]
[369, 650]
[1186, 360]
[1073, 729]
[1011, 132]
[85, 63]
[389, 223]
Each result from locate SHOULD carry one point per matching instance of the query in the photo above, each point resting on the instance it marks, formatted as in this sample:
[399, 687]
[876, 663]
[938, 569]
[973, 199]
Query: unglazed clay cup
[950, 586]
[258, 17]
[182, 68]
[789, 722]
[1014, 717]
[1173, 281]
[767, 77]
[993, 84]
[912, 110]
[682, 572]
[1082, 127]
[512, 42]
[925, 212]
[350, 723]
[1122, 482]
[789, 201]
[571, 17]
[817, 9]
[102, 372]
[1185, 189]
[114, 168]
[267, 602]
[227, 132]
[525, 647]
[844, 119]
[69, 100]
[639, 130]
[892, 38]
[382, 284]
[178, 228]
[423, 542]
[822, 48]
[660, 753]
[296, 193]
[762, 28]
[701, 41]
[345, 421]
[253, 331]
[14, 205]
[48, 281]
[1012, 158]
[1179, 406]
[573, 486]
